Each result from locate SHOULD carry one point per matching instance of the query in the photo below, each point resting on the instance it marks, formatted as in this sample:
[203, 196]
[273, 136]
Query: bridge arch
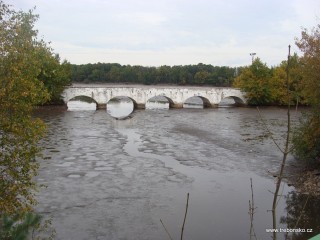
[238, 100]
[135, 104]
[161, 98]
[205, 101]
[80, 94]
[172, 103]
[83, 98]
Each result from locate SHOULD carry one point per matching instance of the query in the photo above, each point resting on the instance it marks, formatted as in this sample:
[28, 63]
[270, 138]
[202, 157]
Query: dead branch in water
[251, 213]
[184, 221]
[185, 216]
[166, 229]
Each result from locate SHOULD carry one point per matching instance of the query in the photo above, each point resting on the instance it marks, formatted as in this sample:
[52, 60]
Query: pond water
[115, 179]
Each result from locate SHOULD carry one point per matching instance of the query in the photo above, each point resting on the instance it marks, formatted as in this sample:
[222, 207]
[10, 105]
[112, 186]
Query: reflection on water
[193, 102]
[302, 212]
[81, 103]
[227, 102]
[157, 105]
[81, 106]
[158, 102]
[120, 107]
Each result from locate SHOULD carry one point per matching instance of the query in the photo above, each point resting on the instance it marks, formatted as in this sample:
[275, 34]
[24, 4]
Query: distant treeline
[200, 74]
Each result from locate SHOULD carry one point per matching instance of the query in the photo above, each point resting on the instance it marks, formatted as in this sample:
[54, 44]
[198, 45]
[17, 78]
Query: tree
[20, 90]
[128, 74]
[184, 76]
[189, 74]
[114, 74]
[163, 74]
[54, 75]
[279, 79]
[309, 44]
[307, 137]
[255, 80]
[201, 77]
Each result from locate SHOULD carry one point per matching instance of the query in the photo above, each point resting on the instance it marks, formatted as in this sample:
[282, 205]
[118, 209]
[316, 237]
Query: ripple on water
[74, 175]
[102, 163]
[92, 174]
[92, 158]
[65, 164]
[148, 151]
[54, 151]
[104, 168]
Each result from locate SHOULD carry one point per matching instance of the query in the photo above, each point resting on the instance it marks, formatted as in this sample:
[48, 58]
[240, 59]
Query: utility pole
[252, 56]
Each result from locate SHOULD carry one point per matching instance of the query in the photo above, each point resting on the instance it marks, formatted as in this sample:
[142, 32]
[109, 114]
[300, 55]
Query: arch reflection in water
[158, 102]
[120, 107]
[82, 103]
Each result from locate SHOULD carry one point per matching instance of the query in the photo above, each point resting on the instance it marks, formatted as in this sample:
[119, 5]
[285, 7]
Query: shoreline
[306, 182]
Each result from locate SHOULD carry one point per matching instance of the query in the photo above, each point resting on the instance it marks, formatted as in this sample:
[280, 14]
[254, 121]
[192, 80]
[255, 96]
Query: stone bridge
[140, 94]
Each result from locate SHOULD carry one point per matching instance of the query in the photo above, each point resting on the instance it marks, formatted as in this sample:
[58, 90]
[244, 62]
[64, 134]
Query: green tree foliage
[256, 81]
[265, 86]
[279, 82]
[201, 77]
[20, 90]
[309, 44]
[307, 137]
[190, 74]
[53, 74]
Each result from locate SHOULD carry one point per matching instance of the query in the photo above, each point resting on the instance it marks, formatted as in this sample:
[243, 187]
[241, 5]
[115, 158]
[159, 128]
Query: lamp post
[252, 56]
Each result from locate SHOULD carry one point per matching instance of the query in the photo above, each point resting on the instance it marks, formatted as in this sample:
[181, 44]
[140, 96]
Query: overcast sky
[172, 32]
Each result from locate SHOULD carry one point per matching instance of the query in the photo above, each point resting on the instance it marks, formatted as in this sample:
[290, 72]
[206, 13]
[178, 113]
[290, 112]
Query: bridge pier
[213, 105]
[176, 105]
[207, 104]
[101, 106]
[140, 106]
[238, 104]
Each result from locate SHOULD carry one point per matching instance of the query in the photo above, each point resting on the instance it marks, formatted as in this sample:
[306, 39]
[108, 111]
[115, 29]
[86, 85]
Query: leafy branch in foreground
[20, 90]
[307, 138]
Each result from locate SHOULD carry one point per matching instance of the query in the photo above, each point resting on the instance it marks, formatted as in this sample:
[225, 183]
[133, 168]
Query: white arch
[205, 101]
[135, 104]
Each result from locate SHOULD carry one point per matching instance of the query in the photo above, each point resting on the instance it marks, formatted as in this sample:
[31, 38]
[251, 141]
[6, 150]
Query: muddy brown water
[115, 179]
